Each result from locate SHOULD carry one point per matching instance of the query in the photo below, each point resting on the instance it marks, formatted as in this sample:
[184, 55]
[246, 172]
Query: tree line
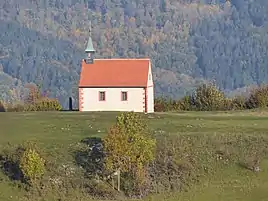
[207, 97]
[34, 100]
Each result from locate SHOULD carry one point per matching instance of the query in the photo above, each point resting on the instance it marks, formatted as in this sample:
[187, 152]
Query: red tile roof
[115, 73]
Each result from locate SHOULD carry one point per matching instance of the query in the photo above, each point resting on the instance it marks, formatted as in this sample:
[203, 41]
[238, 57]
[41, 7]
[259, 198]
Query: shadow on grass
[73, 110]
[91, 158]
[10, 167]
[254, 166]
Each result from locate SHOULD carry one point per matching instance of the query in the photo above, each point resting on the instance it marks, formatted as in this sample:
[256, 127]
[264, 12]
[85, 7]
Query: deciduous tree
[129, 147]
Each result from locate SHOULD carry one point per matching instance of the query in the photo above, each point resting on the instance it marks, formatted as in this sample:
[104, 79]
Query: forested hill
[189, 42]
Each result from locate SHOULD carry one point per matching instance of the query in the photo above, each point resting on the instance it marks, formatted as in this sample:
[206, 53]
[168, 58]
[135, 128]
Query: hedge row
[34, 101]
[210, 98]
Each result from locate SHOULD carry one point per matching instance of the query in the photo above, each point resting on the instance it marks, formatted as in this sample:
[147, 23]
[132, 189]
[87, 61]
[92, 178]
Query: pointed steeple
[90, 49]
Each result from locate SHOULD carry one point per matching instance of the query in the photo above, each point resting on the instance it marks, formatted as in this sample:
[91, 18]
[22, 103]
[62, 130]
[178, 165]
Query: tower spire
[90, 49]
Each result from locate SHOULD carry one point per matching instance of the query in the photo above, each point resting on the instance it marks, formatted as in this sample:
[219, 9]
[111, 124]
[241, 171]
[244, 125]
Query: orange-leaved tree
[36, 101]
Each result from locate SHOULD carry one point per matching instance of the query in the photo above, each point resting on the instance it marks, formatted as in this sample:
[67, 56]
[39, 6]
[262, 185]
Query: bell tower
[89, 49]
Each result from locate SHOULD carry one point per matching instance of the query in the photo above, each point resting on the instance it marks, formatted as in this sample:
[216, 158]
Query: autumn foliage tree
[258, 98]
[130, 148]
[36, 101]
[33, 95]
[208, 98]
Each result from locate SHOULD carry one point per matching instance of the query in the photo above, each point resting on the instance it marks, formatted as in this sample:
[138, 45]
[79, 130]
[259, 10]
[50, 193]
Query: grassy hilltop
[224, 143]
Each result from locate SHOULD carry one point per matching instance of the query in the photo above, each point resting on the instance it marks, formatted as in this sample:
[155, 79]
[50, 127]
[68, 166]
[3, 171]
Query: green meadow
[237, 133]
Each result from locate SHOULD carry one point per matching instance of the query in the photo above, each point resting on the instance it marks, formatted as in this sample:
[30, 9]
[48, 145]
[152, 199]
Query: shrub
[129, 148]
[239, 103]
[44, 104]
[253, 149]
[236, 103]
[31, 163]
[166, 104]
[15, 108]
[159, 105]
[175, 163]
[208, 98]
[22, 163]
[52, 104]
[185, 103]
[162, 104]
[258, 98]
[228, 104]
[2, 107]
[101, 190]
[35, 101]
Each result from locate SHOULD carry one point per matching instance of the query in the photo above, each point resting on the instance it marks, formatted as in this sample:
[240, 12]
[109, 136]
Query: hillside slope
[189, 41]
[204, 158]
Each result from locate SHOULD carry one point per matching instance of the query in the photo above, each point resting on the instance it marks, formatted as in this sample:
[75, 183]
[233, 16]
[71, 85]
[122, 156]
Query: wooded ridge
[189, 41]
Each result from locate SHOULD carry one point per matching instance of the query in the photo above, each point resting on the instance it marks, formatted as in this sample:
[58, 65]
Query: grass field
[56, 132]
